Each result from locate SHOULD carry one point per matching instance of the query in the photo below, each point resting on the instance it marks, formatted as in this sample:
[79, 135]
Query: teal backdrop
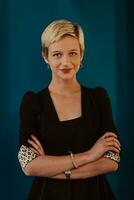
[108, 62]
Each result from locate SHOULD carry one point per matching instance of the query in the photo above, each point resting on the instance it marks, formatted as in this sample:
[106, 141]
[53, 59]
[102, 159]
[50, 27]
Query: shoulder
[96, 91]
[98, 94]
[27, 97]
[30, 95]
[42, 91]
[100, 97]
[30, 99]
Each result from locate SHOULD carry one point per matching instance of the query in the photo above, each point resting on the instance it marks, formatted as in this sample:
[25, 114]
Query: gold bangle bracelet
[73, 162]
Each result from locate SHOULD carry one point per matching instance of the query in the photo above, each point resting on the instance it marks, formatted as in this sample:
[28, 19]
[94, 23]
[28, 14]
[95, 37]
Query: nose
[66, 61]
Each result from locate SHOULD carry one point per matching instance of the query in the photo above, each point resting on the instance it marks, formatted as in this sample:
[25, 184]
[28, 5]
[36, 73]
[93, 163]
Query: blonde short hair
[59, 29]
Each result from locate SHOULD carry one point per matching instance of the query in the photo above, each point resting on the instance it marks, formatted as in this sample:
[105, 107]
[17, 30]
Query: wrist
[68, 174]
[73, 160]
[81, 159]
[89, 156]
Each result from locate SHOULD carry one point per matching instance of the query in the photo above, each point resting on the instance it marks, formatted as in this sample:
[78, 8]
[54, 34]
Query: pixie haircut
[59, 29]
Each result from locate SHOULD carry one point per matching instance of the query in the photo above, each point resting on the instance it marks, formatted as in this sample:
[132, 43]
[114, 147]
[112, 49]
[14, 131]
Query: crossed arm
[90, 163]
[101, 166]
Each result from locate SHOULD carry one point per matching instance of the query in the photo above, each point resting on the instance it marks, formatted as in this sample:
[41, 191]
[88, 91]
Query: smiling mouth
[66, 70]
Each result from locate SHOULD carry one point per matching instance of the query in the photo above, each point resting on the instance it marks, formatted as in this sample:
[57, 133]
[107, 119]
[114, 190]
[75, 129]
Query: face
[64, 58]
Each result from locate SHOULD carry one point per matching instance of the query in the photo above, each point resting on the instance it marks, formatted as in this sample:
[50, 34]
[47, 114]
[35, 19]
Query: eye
[57, 55]
[73, 53]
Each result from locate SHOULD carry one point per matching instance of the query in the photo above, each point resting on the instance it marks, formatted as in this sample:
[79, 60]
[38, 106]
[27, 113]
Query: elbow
[114, 166]
[28, 171]
[31, 168]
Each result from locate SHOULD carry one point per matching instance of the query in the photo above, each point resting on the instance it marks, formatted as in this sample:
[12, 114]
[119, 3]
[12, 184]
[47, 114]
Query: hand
[36, 146]
[108, 142]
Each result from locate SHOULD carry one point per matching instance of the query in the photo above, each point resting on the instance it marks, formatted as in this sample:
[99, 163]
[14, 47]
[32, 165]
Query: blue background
[108, 62]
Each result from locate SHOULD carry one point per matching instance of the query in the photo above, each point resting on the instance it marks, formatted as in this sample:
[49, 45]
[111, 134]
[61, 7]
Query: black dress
[38, 116]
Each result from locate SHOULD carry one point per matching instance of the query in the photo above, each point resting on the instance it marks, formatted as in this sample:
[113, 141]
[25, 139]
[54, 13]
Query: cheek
[53, 63]
[77, 62]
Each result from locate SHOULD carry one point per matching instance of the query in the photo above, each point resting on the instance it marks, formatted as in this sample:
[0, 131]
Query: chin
[67, 77]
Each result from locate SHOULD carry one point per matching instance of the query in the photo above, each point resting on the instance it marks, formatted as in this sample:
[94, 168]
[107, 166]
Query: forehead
[66, 43]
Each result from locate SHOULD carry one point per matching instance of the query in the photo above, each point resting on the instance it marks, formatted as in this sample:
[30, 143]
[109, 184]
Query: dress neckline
[53, 109]
[71, 120]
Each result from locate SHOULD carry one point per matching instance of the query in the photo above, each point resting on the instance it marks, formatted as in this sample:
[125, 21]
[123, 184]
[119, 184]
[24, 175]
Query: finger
[37, 142]
[34, 145]
[113, 139]
[114, 144]
[108, 134]
[113, 149]
[34, 150]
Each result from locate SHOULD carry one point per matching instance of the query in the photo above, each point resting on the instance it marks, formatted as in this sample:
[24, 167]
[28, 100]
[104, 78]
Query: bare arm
[101, 166]
[50, 166]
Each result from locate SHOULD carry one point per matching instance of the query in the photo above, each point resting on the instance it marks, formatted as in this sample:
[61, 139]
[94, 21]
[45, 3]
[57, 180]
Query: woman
[68, 138]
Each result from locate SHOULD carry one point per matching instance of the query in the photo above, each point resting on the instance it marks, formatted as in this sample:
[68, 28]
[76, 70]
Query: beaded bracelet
[67, 174]
[113, 156]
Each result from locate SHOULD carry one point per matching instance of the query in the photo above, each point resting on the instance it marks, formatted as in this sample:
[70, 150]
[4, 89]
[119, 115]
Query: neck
[64, 87]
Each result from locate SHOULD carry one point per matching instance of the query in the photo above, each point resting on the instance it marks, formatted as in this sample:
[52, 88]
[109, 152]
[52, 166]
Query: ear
[82, 54]
[81, 58]
[45, 59]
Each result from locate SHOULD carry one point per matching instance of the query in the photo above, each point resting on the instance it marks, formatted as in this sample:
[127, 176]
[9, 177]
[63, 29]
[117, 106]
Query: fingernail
[32, 136]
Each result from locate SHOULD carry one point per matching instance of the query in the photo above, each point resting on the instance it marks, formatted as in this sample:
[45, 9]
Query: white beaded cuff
[25, 155]
[113, 156]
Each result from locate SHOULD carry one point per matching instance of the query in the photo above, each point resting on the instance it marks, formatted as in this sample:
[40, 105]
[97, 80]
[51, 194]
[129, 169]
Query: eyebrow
[57, 51]
[73, 50]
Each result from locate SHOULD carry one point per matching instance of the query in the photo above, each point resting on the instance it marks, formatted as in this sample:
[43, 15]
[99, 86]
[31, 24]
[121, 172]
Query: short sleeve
[28, 112]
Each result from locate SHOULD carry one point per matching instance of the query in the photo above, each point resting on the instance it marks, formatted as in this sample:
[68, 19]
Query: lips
[65, 70]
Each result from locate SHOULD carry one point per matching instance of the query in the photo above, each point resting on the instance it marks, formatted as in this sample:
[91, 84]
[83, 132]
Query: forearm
[101, 166]
[47, 166]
